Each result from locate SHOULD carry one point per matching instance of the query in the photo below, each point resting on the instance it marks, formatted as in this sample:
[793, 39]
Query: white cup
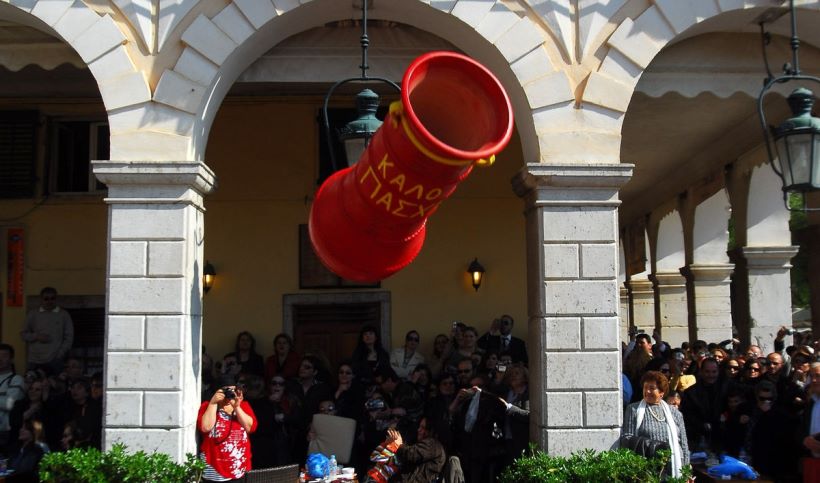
[348, 471]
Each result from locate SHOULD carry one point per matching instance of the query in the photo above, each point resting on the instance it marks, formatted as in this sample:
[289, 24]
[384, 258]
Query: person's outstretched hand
[394, 436]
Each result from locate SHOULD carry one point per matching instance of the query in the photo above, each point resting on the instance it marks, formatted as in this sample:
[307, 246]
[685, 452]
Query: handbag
[646, 447]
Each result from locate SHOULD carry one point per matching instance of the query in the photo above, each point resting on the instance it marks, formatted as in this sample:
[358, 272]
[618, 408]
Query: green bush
[89, 465]
[616, 466]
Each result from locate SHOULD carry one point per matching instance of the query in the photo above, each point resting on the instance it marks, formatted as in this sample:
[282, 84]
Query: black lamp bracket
[363, 78]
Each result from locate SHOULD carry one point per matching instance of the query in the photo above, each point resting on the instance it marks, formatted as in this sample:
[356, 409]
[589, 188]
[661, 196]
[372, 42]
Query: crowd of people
[464, 395]
[711, 399]
[53, 404]
[468, 399]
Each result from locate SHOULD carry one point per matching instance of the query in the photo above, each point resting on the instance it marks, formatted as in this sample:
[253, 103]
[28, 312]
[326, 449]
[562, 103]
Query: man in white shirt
[11, 391]
[49, 333]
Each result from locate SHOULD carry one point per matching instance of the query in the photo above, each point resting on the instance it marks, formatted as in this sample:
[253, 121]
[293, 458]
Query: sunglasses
[754, 369]
[734, 368]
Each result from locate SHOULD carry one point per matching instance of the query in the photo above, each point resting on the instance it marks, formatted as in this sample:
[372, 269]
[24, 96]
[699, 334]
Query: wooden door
[331, 331]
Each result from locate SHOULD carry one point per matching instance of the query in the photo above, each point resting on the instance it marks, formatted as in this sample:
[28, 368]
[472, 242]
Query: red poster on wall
[14, 297]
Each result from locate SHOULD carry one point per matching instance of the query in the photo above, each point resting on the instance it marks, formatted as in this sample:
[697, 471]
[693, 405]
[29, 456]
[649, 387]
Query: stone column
[642, 293]
[624, 312]
[674, 317]
[153, 307]
[573, 302]
[712, 301]
[770, 294]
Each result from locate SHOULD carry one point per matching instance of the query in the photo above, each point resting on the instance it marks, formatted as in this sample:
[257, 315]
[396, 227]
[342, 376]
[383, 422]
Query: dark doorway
[331, 331]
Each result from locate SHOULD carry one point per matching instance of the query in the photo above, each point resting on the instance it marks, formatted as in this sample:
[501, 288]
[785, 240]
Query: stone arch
[219, 48]
[636, 41]
[97, 40]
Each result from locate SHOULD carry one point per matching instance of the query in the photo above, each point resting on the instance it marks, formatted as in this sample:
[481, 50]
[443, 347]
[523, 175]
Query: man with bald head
[776, 367]
[753, 351]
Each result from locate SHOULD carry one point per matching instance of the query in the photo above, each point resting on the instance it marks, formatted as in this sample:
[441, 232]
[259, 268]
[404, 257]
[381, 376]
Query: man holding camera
[499, 339]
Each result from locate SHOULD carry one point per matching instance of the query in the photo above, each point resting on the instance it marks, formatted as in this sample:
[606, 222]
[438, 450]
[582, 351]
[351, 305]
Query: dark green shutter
[18, 153]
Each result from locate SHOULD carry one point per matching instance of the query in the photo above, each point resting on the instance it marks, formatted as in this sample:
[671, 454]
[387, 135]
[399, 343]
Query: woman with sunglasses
[732, 369]
[437, 407]
[349, 394]
[225, 423]
[751, 375]
[404, 360]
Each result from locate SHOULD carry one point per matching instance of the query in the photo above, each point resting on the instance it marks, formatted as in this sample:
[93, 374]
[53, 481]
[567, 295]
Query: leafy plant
[89, 465]
[616, 466]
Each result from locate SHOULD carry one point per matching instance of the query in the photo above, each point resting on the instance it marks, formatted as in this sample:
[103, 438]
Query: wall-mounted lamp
[476, 271]
[208, 276]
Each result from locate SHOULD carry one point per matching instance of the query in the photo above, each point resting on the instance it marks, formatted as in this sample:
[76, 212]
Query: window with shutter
[18, 153]
[74, 143]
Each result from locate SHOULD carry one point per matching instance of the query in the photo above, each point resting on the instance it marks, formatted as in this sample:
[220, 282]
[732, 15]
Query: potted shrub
[620, 465]
[89, 465]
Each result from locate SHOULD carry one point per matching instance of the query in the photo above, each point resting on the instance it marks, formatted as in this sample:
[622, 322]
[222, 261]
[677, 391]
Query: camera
[229, 393]
[791, 331]
[374, 404]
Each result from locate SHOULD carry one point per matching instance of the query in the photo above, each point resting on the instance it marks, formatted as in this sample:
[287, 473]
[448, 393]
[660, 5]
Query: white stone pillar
[711, 270]
[624, 312]
[642, 294]
[153, 307]
[670, 284]
[624, 294]
[671, 288]
[767, 254]
[713, 306]
[770, 294]
[573, 302]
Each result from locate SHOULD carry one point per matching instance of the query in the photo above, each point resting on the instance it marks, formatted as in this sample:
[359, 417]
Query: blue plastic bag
[732, 467]
[317, 465]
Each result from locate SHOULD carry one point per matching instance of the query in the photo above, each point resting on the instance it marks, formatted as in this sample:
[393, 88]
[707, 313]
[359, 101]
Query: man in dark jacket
[423, 461]
[770, 439]
[702, 405]
[478, 419]
[500, 340]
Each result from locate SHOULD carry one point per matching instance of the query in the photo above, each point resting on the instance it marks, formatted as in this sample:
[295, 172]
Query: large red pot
[368, 221]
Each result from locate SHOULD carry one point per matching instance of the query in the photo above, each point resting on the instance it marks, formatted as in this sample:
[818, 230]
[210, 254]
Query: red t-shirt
[226, 446]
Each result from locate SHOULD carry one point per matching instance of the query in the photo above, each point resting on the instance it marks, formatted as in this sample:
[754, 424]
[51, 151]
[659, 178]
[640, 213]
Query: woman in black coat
[369, 357]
